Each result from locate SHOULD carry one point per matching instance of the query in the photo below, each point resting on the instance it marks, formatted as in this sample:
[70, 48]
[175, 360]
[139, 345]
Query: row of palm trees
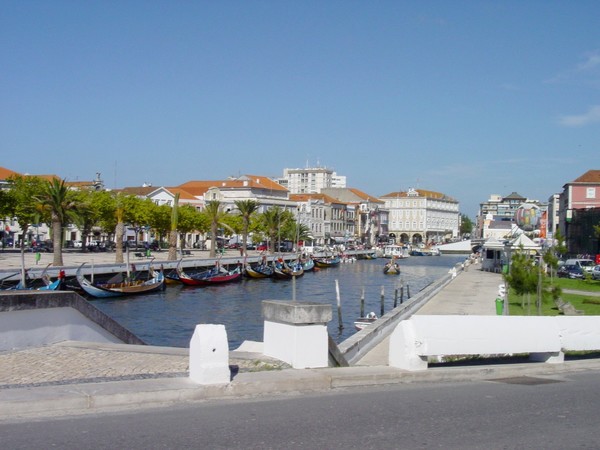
[32, 200]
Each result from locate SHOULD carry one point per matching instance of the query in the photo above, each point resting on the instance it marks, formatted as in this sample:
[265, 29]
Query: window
[590, 192]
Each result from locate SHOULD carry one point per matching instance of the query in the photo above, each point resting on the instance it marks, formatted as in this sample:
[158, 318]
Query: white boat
[363, 322]
[396, 251]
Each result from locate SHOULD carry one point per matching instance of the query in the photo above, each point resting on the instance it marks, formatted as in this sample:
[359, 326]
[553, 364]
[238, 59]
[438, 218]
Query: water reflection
[168, 318]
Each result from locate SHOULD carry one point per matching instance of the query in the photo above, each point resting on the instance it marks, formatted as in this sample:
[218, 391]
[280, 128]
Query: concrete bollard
[296, 332]
[209, 355]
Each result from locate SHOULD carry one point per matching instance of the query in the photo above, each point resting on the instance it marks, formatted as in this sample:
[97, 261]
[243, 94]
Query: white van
[586, 264]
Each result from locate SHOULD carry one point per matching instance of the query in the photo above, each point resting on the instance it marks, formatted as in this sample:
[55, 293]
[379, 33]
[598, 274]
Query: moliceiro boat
[115, 288]
[217, 275]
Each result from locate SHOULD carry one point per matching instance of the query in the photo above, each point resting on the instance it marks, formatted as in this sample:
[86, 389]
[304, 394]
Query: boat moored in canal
[124, 287]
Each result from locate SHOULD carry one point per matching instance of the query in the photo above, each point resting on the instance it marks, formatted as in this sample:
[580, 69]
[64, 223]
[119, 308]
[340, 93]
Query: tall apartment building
[310, 180]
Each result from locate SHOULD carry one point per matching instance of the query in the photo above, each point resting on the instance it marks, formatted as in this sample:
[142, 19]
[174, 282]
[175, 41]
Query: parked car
[262, 247]
[570, 271]
[596, 272]
[45, 246]
[583, 263]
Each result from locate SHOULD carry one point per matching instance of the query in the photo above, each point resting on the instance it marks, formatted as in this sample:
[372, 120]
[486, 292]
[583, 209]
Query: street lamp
[507, 251]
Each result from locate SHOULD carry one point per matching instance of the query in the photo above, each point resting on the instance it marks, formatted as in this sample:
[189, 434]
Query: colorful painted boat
[219, 276]
[329, 261]
[155, 283]
[259, 271]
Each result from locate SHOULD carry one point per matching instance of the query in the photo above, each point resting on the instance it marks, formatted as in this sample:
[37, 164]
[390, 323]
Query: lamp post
[507, 250]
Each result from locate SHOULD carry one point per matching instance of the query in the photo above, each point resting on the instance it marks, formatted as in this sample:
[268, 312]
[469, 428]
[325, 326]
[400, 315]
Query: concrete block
[300, 313]
[301, 346]
[209, 355]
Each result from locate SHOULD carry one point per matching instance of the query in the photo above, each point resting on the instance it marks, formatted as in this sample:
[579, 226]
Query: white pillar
[296, 333]
[209, 355]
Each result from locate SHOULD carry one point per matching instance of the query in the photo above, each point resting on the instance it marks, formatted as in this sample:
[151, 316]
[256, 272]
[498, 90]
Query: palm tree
[58, 201]
[246, 209]
[173, 231]
[119, 229]
[214, 213]
[272, 219]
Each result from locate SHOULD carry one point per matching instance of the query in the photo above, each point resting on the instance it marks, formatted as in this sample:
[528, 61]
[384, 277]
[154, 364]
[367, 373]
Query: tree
[60, 204]
[277, 224]
[246, 209]
[215, 213]
[124, 212]
[21, 205]
[173, 231]
[189, 220]
[466, 225]
[522, 277]
[87, 215]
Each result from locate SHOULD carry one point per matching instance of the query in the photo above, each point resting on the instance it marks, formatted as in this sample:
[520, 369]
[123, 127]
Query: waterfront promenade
[76, 377]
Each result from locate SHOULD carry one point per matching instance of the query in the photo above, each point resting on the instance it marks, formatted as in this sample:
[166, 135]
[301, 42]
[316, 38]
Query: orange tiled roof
[306, 197]
[183, 194]
[363, 196]
[422, 193]
[591, 176]
[5, 173]
[253, 181]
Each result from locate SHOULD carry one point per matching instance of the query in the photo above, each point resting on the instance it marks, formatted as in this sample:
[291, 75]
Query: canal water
[168, 318]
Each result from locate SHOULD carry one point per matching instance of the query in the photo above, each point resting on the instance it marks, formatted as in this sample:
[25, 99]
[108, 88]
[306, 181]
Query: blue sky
[468, 98]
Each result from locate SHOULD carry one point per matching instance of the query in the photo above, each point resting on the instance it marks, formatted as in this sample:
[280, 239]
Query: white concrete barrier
[209, 355]
[543, 338]
[296, 332]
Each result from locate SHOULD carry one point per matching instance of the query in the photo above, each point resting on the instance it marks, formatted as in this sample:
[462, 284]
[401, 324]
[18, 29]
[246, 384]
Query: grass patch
[579, 285]
[589, 304]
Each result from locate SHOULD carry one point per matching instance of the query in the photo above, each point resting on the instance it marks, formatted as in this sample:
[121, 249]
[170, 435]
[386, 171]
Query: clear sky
[468, 98]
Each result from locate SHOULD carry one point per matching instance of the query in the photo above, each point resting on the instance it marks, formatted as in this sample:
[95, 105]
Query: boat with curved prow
[218, 276]
[328, 261]
[155, 283]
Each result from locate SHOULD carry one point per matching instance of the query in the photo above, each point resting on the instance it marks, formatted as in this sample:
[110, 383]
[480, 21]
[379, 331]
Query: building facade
[311, 180]
[421, 216]
[579, 212]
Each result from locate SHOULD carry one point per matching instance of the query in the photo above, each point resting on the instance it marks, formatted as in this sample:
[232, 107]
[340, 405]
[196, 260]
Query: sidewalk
[79, 377]
[473, 292]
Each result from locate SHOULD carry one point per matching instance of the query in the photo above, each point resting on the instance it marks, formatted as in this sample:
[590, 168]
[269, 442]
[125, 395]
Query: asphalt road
[522, 412]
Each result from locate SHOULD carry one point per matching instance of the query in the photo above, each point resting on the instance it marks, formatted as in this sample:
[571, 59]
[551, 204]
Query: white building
[418, 215]
[311, 180]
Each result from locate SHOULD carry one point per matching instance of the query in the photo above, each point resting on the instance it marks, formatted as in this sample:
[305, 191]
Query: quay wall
[362, 342]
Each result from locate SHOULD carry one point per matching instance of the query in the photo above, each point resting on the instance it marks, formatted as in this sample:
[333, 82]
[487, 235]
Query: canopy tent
[494, 251]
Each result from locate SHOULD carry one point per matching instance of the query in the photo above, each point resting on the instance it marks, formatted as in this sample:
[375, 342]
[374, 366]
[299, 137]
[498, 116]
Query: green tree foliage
[215, 213]
[58, 203]
[87, 215]
[20, 201]
[246, 209]
[523, 276]
[466, 225]
[173, 230]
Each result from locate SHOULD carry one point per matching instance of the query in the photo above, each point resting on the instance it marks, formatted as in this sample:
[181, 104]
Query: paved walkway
[472, 292]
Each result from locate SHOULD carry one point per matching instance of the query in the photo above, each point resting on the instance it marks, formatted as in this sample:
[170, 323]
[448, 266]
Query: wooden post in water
[362, 303]
[401, 292]
[382, 301]
[339, 305]
[407, 291]
[395, 297]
